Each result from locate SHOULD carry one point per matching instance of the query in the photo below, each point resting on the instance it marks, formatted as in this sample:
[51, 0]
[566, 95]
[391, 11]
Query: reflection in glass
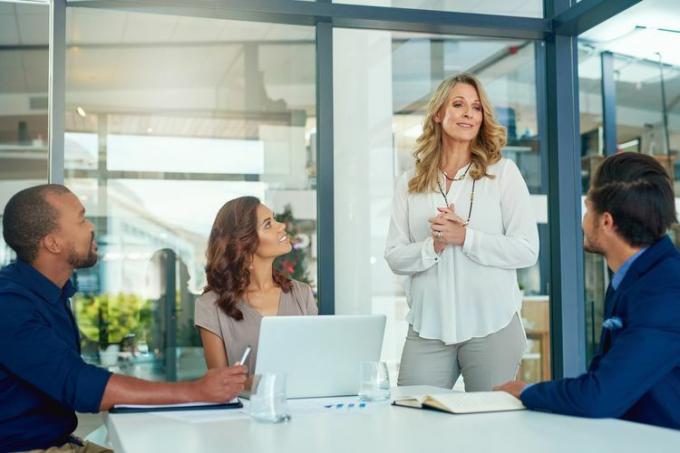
[23, 102]
[640, 127]
[522, 8]
[167, 118]
[382, 82]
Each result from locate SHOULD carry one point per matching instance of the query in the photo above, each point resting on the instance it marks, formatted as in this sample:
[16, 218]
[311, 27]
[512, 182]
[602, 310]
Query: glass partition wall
[23, 101]
[521, 8]
[643, 125]
[383, 81]
[641, 67]
[171, 112]
[167, 118]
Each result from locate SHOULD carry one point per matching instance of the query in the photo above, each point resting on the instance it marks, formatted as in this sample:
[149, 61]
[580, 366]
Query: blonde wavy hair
[486, 148]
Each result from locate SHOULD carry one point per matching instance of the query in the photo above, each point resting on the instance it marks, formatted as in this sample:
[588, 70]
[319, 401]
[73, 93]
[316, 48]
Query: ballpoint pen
[244, 357]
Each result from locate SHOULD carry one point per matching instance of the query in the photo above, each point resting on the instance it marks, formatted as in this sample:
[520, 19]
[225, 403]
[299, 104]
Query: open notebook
[463, 403]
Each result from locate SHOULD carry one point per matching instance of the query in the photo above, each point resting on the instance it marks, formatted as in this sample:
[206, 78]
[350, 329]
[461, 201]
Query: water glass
[375, 381]
[268, 398]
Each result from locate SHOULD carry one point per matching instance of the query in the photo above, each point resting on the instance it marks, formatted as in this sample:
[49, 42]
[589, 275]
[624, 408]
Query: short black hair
[28, 218]
[638, 193]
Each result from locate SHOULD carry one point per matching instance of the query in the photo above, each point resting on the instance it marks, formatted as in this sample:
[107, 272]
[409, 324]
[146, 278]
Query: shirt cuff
[525, 389]
[469, 240]
[428, 254]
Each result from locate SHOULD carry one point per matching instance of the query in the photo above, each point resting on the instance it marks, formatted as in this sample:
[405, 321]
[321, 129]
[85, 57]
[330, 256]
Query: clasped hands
[447, 228]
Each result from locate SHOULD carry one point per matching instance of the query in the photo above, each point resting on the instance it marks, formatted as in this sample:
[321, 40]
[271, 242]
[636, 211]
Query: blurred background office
[167, 114]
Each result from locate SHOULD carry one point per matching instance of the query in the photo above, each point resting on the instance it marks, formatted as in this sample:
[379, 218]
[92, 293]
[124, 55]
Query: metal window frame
[567, 310]
[310, 13]
[567, 289]
[56, 91]
[557, 97]
[582, 16]
[325, 186]
[608, 87]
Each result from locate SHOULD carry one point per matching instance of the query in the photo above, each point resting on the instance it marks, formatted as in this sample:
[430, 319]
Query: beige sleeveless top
[236, 335]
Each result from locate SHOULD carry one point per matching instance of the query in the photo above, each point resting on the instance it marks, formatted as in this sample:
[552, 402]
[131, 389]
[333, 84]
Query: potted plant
[108, 319]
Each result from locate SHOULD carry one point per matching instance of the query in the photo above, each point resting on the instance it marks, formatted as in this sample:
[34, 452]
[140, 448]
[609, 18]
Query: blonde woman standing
[461, 226]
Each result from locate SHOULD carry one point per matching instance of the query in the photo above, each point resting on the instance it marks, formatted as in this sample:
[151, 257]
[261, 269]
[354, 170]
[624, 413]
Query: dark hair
[28, 218]
[232, 244]
[637, 191]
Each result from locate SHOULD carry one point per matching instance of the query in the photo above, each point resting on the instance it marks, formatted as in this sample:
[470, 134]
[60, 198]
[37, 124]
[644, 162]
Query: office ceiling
[116, 55]
[526, 8]
[649, 30]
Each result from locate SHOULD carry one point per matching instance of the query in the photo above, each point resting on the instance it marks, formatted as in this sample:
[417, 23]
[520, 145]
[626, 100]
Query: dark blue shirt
[43, 379]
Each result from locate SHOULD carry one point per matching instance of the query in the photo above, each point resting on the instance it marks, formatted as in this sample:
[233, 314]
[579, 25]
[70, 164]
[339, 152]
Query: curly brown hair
[232, 244]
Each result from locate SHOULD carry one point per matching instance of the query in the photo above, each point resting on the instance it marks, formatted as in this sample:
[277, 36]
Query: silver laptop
[320, 355]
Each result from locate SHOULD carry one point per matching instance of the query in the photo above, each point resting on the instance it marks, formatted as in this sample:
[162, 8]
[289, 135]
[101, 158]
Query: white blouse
[470, 290]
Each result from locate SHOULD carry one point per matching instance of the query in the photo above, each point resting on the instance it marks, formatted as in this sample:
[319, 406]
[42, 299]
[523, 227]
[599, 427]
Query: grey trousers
[484, 362]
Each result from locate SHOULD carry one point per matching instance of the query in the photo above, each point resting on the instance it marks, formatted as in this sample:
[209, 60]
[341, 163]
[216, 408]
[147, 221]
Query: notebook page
[470, 402]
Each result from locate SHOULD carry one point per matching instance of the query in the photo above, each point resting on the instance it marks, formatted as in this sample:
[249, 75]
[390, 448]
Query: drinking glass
[375, 381]
[268, 398]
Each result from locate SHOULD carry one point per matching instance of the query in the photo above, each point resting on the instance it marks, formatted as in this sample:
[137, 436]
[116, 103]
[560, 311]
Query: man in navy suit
[636, 372]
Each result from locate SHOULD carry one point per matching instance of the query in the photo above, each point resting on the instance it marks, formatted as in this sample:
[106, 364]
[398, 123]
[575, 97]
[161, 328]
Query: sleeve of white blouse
[404, 256]
[518, 246]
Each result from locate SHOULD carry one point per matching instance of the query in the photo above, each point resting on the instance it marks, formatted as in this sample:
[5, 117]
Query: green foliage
[294, 264]
[108, 318]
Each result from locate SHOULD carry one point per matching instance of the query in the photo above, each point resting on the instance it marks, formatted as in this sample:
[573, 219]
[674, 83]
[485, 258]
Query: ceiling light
[81, 111]
[631, 49]
[29, 2]
[646, 43]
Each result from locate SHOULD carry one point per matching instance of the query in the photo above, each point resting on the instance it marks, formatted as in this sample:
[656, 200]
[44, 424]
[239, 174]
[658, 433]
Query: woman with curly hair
[462, 224]
[243, 285]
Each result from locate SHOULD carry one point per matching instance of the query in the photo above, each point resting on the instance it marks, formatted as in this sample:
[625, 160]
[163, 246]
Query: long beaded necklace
[472, 193]
[459, 178]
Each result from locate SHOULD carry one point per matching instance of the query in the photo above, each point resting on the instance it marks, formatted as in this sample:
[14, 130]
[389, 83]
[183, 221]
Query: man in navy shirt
[636, 372]
[43, 379]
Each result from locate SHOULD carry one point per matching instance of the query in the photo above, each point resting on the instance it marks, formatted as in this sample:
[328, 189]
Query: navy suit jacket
[636, 372]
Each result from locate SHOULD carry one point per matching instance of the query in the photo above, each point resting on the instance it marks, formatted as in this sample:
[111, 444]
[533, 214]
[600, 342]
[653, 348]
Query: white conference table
[379, 428]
